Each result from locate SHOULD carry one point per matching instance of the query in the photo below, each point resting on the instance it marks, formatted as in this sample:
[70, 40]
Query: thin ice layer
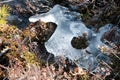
[69, 25]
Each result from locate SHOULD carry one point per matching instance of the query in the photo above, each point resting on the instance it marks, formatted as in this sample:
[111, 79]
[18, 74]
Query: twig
[107, 65]
[3, 67]
[48, 68]
[25, 40]
[116, 75]
[4, 51]
[5, 1]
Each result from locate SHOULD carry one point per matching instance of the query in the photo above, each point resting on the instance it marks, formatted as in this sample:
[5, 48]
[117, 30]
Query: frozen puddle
[69, 25]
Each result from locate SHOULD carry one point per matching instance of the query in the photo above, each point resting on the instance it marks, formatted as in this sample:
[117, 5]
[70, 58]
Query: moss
[13, 38]
[4, 12]
[29, 57]
[79, 42]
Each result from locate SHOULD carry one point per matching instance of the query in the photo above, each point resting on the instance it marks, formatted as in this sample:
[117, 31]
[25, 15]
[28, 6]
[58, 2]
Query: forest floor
[23, 56]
